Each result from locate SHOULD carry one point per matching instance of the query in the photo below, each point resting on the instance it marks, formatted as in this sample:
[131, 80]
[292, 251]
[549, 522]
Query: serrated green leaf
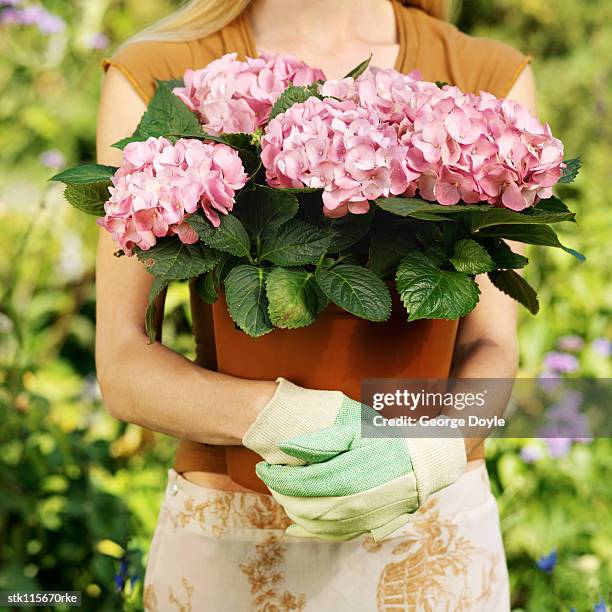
[294, 299]
[420, 209]
[238, 140]
[293, 95]
[168, 116]
[571, 170]
[205, 287]
[471, 258]
[230, 237]
[503, 256]
[89, 198]
[428, 292]
[85, 174]
[503, 216]
[263, 210]
[516, 287]
[157, 287]
[296, 243]
[246, 298]
[529, 234]
[171, 259]
[552, 204]
[359, 69]
[357, 290]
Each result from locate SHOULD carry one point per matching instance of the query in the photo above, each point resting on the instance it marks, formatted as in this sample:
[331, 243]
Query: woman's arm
[487, 344]
[148, 384]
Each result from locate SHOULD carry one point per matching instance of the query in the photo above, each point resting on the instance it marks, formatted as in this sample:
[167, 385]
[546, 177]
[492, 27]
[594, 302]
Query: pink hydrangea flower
[339, 147]
[160, 184]
[233, 96]
[473, 148]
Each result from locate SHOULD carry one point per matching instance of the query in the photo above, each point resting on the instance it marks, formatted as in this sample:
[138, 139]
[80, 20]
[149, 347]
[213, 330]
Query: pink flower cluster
[233, 96]
[340, 147]
[160, 184]
[473, 148]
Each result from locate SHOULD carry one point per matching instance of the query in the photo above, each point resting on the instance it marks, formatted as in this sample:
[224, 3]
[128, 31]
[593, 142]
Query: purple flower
[600, 606]
[9, 15]
[571, 343]
[561, 363]
[46, 22]
[53, 158]
[547, 562]
[549, 381]
[558, 447]
[531, 453]
[602, 346]
[97, 41]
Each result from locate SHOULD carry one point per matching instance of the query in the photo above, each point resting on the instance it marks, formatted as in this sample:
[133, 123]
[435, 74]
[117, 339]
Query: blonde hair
[200, 18]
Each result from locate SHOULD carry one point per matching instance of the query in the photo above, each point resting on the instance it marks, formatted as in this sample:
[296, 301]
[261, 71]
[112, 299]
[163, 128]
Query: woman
[219, 546]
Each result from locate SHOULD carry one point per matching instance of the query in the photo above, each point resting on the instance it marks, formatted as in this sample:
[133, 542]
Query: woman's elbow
[114, 380]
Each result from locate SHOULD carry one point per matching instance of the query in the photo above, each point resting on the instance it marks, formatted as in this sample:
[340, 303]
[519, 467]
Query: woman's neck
[336, 32]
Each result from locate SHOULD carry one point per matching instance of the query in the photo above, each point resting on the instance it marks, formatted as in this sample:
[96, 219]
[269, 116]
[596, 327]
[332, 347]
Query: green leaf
[294, 298]
[387, 248]
[293, 95]
[89, 198]
[503, 216]
[357, 290]
[428, 292]
[516, 287]
[552, 204]
[226, 263]
[503, 256]
[296, 243]
[359, 69]
[85, 174]
[229, 237]
[263, 210]
[348, 230]
[168, 116]
[159, 284]
[471, 258]
[300, 189]
[238, 140]
[172, 83]
[441, 84]
[530, 234]
[571, 170]
[246, 298]
[420, 209]
[205, 287]
[171, 259]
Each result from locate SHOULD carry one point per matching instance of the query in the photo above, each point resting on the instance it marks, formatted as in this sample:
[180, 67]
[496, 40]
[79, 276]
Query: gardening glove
[353, 484]
[291, 412]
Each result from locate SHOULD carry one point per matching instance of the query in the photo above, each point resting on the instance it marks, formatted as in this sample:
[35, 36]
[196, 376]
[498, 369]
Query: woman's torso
[435, 48]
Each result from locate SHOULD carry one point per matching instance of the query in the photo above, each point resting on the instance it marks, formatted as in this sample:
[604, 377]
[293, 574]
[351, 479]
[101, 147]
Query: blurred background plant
[80, 492]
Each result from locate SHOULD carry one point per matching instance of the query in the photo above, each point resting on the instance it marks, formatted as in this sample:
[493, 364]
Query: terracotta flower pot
[336, 352]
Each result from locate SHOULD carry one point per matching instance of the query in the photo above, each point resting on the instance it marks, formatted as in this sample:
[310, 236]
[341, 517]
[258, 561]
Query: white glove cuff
[437, 462]
[291, 412]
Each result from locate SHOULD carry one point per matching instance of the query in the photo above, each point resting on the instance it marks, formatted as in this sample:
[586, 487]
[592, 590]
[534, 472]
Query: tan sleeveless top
[437, 48]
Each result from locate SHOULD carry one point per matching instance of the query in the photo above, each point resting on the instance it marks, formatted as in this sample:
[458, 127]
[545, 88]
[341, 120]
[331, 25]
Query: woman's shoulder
[473, 63]
[144, 62]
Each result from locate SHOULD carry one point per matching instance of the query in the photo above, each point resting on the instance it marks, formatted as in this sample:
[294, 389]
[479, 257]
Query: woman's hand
[334, 482]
